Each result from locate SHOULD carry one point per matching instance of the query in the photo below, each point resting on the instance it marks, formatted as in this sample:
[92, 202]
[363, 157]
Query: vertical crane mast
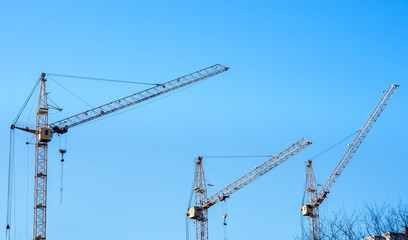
[199, 212]
[40, 178]
[311, 191]
[200, 190]
[312, 208]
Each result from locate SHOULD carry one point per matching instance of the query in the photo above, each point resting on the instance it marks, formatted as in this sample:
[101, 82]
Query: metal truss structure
[316, 198]
[200, 210]
[44, 130]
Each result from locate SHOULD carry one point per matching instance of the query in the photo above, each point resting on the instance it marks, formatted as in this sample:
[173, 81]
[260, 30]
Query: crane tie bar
[100, 79]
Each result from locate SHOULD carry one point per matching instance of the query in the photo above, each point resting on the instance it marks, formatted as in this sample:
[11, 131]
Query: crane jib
[62, 126]
[260, 170]
[355, 144]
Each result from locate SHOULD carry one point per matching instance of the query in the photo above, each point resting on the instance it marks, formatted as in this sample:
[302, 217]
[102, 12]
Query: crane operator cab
[44, 134]
[306, 210]
[194, 213]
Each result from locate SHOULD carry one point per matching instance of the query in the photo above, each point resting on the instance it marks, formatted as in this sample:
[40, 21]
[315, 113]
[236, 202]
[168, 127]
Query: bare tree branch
[372, 220]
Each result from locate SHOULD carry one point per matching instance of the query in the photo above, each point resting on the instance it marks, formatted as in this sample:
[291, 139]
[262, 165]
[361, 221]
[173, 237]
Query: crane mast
[40, 176]
[308, 210]
[199, 212]
[314, 200]
[200, 190]
[44, 131]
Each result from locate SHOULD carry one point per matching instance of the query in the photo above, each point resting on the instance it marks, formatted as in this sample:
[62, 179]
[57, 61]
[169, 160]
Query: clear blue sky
[312, 69]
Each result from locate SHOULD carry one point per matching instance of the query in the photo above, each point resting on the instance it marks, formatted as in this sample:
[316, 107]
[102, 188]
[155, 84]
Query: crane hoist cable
[224, 216]
[27, 187]
[11, 185]
[62, 151]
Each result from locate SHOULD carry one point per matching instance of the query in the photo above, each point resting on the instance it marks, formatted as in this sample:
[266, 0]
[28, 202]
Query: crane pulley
[199, 212]
[315, 198]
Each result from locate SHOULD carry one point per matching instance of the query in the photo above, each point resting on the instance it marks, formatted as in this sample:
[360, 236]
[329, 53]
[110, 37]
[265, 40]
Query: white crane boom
[315, 198]
[355, 144]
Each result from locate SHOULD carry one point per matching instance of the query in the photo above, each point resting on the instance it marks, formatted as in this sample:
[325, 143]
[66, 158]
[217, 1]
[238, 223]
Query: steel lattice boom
[200, 211]
[311, 209]
[265, 167]
[63, 125]
[356, 144]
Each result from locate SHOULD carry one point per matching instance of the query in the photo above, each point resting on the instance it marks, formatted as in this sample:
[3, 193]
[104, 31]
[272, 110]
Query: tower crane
[199, 212]
[315, 197]
[44, 131]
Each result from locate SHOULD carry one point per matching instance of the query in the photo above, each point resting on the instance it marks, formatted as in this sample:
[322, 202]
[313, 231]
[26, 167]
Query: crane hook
[225, 218]
[62, 151]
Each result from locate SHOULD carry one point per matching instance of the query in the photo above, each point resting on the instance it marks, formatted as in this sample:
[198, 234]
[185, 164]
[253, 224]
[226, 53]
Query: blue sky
[297, 69]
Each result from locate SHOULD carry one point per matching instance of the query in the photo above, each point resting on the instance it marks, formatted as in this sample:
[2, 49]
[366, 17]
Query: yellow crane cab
[44, 134]
[194, 212]
[306, 210]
